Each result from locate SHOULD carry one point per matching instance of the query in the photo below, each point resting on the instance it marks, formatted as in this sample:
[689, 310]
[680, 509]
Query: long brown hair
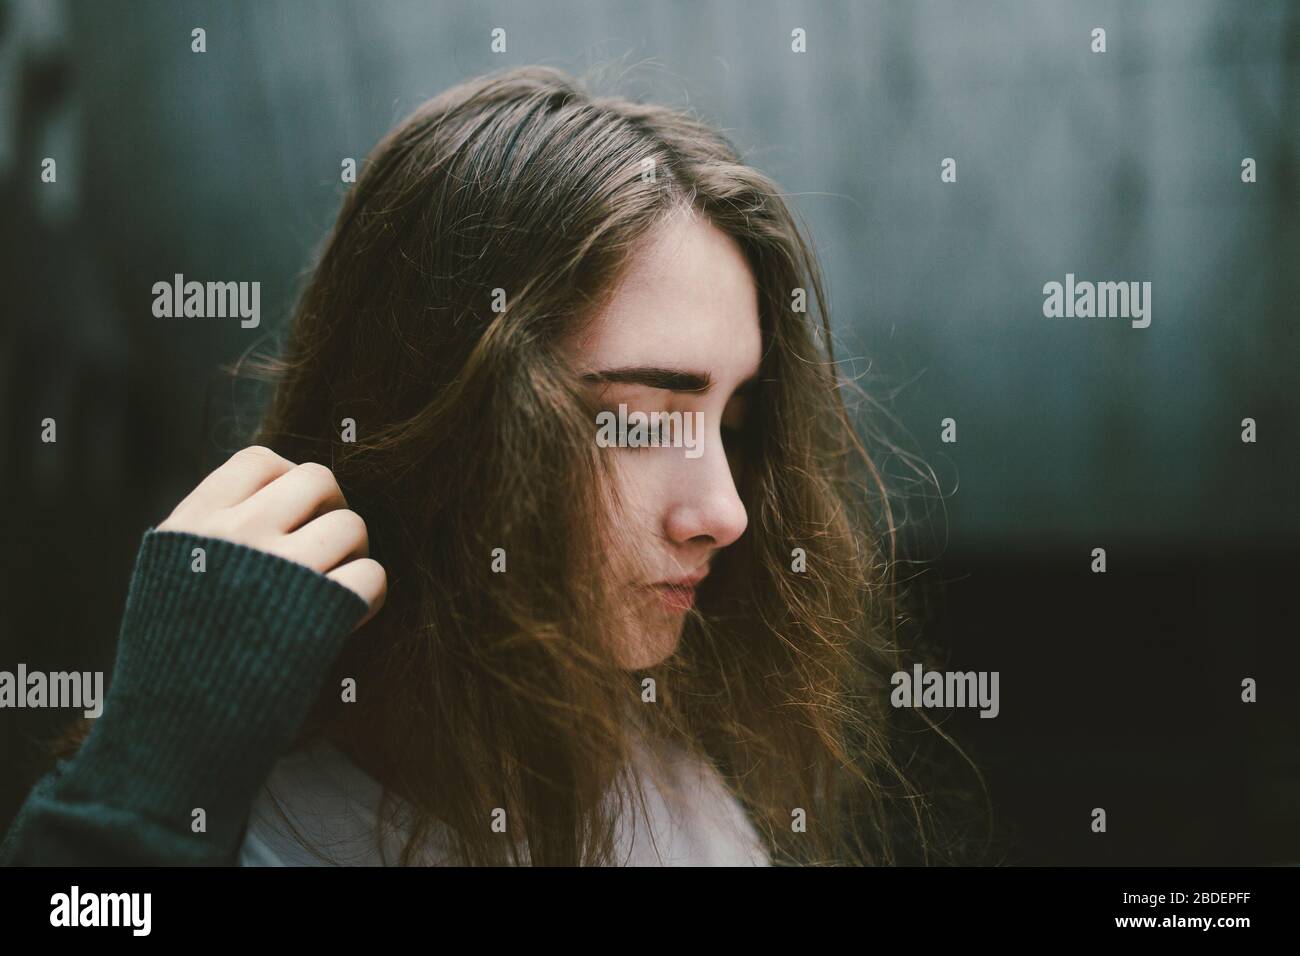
[480, 690]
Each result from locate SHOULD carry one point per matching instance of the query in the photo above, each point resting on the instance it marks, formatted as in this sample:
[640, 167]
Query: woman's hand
[263, 501]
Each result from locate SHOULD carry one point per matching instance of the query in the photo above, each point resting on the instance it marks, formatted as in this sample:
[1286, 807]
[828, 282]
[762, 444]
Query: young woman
[570, 653]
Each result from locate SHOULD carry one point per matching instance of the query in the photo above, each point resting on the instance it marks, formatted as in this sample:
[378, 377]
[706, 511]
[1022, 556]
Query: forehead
[687, 298]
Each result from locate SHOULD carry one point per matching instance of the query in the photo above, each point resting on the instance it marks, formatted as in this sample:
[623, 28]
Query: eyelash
[732, 436]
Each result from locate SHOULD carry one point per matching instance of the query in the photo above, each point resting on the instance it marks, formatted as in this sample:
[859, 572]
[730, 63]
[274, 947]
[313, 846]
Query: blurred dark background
[1119, 690]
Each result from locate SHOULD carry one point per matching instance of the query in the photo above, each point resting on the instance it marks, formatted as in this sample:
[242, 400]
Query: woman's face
[680, 334]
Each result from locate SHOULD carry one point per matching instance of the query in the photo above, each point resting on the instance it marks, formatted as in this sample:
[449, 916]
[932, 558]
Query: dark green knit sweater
[215, 673]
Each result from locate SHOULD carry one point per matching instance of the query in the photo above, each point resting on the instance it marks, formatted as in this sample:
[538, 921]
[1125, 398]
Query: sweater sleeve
[216, 670]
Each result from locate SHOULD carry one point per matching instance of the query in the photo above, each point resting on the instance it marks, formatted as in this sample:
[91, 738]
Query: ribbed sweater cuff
[215, 672]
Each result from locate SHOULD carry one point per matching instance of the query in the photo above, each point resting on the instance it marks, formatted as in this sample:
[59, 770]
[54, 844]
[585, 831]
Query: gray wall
[1073, 433]
[1123, 165]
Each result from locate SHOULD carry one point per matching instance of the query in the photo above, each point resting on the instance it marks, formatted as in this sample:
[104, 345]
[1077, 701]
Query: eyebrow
[668, 379]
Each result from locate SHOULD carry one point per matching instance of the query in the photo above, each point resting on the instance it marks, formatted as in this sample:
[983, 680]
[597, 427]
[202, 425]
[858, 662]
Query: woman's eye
[647, 437]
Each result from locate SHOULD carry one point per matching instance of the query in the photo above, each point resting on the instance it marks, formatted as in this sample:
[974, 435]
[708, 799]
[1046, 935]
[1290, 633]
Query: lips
[679, 593]
[688, 581]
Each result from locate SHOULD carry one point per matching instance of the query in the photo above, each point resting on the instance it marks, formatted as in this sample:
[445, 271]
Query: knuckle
[353, 524]
[375, 571]
[256, 453]
[319, 474]
[256, 457]
[366, 568]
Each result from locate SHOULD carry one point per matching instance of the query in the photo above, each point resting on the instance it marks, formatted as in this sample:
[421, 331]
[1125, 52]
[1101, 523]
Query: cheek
[641, 478]
[642, 632]
[637, 525]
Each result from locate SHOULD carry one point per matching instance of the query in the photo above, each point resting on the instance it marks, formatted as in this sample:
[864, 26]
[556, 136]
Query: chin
[651, 646]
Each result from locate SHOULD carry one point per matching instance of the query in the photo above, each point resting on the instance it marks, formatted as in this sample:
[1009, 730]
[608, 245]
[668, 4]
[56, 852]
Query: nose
[706, 507]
